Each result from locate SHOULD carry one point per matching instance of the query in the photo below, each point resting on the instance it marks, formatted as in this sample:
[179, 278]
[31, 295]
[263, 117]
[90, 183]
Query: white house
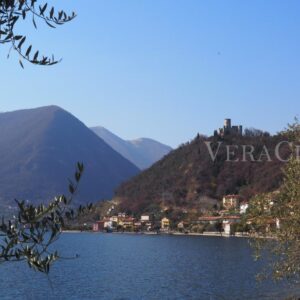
[227, 228]
[145, 218]
[228, 221]
[108, 224]
[230, 201]
[243, 207]
[114, 219]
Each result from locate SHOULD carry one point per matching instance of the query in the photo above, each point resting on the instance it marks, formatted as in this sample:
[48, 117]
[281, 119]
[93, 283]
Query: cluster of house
[127, 223]
[233, 208]
[124, 222]
[231, 214]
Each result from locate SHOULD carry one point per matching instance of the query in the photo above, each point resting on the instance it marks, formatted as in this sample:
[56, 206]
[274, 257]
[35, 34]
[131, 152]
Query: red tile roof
[231, 196]
[215, 218]
[209, 218]
[231, 217]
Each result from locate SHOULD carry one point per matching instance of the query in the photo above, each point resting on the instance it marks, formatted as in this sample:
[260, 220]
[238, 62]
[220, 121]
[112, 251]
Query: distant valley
[142, 152]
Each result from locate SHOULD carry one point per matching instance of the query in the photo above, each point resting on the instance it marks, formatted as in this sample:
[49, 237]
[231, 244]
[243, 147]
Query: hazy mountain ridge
[38, 152]
[142, 152]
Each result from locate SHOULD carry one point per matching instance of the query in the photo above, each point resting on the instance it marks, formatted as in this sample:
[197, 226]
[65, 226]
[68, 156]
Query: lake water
[120, 266]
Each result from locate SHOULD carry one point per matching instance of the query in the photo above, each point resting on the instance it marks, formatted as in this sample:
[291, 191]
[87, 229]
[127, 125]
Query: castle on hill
[228, 129]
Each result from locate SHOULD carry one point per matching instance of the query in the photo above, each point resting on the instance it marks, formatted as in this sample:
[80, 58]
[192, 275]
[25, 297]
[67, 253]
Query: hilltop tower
[227, 123]
[228, 129]
[240, 128]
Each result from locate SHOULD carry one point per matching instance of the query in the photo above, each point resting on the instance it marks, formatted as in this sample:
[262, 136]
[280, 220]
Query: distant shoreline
[215, 234]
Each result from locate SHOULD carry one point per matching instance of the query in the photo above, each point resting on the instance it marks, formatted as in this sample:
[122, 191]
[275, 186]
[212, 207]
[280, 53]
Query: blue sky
[165, 69]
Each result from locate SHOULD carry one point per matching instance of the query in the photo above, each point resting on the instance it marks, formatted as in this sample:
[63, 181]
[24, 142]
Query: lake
[124, 266]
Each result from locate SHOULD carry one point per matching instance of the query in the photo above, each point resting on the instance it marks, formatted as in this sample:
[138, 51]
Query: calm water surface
[116, 266]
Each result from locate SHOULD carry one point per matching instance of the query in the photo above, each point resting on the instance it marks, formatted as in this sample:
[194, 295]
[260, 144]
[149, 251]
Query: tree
[219, 226]
[277, 215]
[14, 11]
[29, 235]
[255, 132]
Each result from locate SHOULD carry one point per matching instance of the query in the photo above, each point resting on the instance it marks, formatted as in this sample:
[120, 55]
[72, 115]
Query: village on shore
[227, 217]
[226, 221]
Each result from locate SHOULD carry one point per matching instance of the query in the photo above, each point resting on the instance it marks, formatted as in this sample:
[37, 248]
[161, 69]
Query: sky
[164, 69]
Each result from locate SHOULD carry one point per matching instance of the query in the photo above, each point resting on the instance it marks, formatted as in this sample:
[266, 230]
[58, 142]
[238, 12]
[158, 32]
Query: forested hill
[185, 175]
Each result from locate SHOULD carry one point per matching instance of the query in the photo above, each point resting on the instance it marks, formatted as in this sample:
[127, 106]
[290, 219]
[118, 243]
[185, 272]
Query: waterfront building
[108, 224]
[98, 226]
[128, 223]
[209, 219]
[137, 226]
[182, 225]
[165, 224]
[227, 228]
[228, 222]
[146, 221]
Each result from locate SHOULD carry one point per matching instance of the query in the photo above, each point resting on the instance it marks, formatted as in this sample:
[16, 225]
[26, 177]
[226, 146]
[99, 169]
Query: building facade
[228, 129]
[230, 201]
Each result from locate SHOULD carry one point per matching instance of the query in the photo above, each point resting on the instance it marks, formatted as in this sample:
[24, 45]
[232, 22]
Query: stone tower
[227, 123]
[240, 127]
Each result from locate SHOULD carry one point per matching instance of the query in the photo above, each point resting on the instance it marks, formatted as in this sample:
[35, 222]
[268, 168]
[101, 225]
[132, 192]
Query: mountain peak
[143, 152]
[39, 149]
[48, 108]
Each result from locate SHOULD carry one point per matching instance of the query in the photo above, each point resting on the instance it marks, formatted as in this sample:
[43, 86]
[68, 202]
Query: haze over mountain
[142, 152]
[39, 149]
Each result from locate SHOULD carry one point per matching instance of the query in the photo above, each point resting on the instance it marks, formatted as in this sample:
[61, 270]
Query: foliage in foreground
[30, 234]
[277, 215]
[14, 11]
